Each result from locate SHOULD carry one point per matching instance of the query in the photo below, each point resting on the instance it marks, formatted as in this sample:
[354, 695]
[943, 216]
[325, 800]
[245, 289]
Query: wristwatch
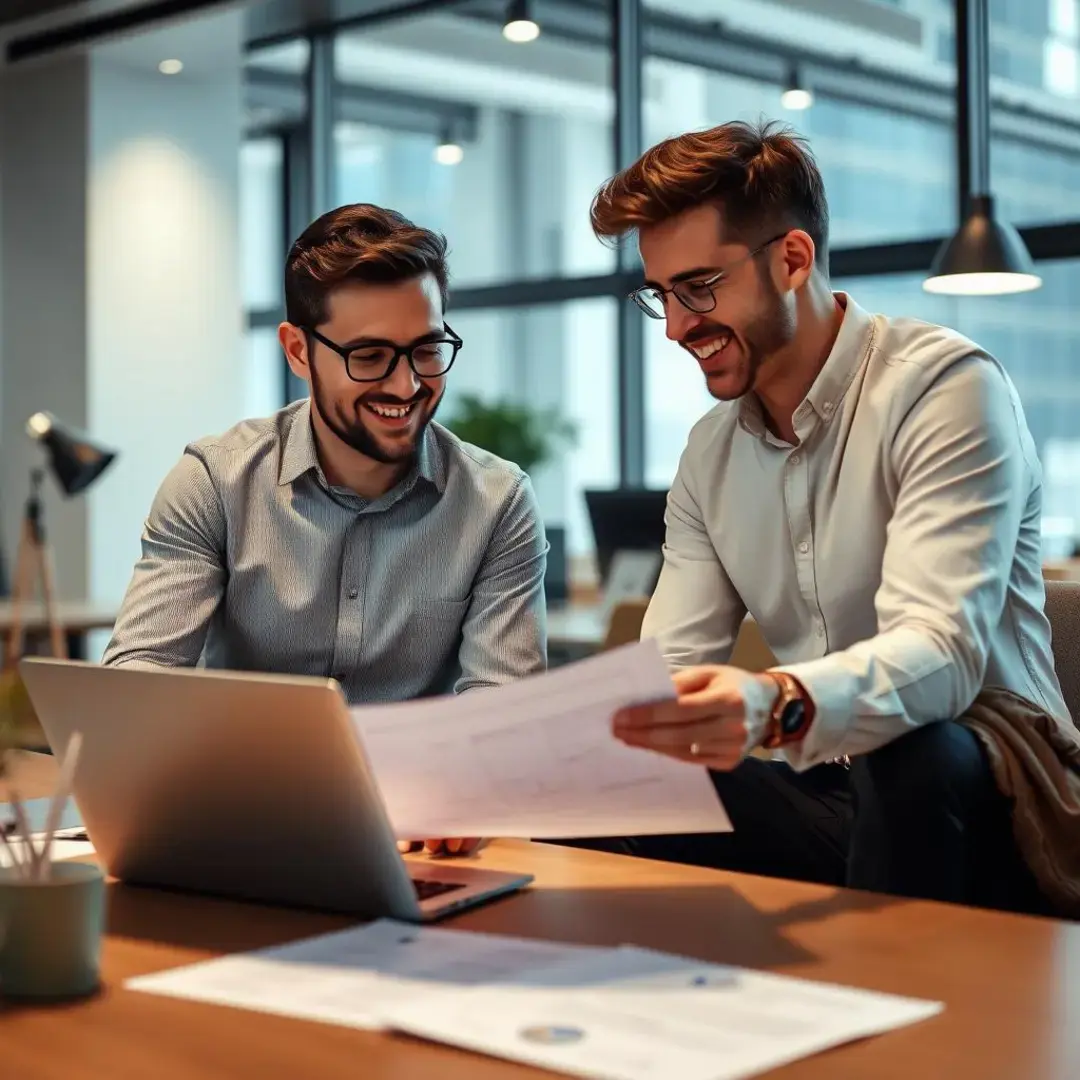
[792, 712]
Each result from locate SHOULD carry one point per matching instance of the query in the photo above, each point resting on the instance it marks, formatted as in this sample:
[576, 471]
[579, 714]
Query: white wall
[119, 275]
[167, 358]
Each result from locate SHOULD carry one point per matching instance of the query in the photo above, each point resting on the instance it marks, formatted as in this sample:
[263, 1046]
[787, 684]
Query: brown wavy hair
[761, 176]
[358, 242]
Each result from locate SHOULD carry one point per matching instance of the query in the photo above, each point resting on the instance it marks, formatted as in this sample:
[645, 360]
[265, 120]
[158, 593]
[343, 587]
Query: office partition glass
[500, 146]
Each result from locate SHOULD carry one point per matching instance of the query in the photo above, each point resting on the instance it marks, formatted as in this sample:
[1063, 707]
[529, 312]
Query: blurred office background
[158, 156]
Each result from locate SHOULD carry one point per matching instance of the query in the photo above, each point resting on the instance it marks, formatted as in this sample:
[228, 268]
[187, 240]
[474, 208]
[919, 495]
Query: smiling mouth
[390, 412]
[712, 346]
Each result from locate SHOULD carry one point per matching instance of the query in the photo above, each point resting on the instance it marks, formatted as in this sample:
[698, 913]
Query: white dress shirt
[891, 558]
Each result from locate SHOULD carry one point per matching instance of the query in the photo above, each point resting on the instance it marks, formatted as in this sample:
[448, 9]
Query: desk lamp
[75, 462]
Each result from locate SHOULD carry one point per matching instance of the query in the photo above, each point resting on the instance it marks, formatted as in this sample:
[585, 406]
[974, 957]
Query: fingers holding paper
[443, 846]
[718, 715]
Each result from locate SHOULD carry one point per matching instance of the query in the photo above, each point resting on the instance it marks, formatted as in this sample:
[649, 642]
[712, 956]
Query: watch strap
[792, 712]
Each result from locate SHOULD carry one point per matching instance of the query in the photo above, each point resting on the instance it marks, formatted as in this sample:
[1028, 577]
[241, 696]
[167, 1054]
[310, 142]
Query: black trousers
[920, 817]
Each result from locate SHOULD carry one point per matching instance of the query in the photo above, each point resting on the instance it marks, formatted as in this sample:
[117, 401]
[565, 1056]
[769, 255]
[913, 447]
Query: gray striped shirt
[251, 561]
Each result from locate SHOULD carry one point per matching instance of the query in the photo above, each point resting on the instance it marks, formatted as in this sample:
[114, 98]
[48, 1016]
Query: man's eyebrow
[431, 335]
[696, 272]
[685, 275]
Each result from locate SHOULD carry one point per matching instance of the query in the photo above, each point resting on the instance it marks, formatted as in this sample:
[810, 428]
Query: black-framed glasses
[375, 360]
[696, 296]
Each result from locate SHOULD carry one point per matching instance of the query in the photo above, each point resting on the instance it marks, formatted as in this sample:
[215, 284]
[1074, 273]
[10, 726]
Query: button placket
[354, 559]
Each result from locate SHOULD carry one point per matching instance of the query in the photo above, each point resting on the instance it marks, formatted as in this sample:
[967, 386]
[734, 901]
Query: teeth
[712, 347]
[395, 412]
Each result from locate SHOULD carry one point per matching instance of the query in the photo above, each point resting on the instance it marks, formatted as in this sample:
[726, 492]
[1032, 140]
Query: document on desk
[67, 844]
[536, 758]
[634, 1014]
[348, 977]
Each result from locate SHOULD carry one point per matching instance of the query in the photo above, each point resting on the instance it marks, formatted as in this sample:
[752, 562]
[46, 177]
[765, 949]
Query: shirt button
[820, 629]
[826, 407]
[795, 459]
[804, 547]
[353, 593]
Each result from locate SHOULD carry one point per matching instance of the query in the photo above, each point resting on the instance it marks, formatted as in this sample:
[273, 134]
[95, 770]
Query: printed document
[536, 758]
[347, 977]
[634, 1014]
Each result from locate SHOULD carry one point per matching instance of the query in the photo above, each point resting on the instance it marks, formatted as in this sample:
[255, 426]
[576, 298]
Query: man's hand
[456, 846]
[718, 717]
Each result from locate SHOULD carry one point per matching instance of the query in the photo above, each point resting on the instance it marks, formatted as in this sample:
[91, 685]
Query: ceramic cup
[50, 932]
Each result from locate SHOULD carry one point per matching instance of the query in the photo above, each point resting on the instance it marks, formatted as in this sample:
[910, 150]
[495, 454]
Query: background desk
[78, 618]
[1011, 984]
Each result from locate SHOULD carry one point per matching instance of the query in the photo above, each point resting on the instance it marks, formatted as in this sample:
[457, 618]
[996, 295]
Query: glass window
[558, 356]
[890, 173]
[533, 127]
[262, 222]
[396, 169]
[1037, 338]
[264, 376]
[675, 399]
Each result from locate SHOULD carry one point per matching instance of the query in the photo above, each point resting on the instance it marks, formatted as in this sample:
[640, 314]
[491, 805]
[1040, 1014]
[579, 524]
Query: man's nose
[679, 321]
[402, 382]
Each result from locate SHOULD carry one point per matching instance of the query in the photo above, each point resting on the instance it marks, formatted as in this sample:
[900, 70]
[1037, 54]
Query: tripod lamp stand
[75, 463]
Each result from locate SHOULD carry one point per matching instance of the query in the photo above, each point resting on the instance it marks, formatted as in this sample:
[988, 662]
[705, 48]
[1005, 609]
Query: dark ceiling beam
[95, 28]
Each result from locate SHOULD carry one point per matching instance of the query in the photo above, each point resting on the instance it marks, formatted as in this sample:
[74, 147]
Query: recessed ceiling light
[171, 67]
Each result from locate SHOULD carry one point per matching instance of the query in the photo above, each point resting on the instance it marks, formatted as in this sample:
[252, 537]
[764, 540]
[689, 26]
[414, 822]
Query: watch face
[791, 717]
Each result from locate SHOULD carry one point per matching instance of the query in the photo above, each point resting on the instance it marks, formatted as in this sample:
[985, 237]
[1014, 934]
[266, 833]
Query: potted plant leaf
[527, 436]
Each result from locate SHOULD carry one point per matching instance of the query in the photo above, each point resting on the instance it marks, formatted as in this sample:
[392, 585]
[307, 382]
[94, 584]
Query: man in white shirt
[868, 490]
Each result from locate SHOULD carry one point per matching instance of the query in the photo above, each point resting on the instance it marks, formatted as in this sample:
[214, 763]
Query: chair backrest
[1063, 611]
[751, 651]
[624, 623]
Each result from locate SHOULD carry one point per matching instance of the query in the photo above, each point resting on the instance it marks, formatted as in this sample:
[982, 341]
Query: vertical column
[320, 124]
[626, 33]
[44, 137]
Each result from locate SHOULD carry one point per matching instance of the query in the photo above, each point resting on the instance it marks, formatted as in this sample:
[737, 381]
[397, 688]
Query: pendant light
[985, 257]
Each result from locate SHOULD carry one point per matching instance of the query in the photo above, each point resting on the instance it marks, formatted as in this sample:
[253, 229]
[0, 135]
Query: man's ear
[798, 254]
[294, 343]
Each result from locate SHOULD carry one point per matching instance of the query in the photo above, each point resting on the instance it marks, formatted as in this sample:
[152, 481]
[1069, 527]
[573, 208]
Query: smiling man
[868, 490]
[348, 535]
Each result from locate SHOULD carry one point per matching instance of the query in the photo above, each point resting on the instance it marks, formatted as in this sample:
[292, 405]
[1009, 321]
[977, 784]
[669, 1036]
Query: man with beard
[348, 535]
[869, 491]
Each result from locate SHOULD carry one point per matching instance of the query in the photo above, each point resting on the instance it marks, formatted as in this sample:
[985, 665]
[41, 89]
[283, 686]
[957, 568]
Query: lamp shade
[76, 462]
[986, 257]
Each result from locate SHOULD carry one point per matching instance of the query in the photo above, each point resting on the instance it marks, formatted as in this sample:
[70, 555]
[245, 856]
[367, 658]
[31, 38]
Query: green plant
[526, 436]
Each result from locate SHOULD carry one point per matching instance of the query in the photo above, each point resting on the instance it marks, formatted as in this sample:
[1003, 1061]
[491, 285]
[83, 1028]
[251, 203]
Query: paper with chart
[634, 1014]
[349, 976]
[537, 758]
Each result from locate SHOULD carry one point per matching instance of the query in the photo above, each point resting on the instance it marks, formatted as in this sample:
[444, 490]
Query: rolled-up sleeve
[695, 613]
[180, 577]
[963, 464]
[504, 635]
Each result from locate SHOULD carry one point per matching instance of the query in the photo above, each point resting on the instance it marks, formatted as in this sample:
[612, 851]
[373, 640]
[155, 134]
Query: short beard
[355, 433]
[766, 334]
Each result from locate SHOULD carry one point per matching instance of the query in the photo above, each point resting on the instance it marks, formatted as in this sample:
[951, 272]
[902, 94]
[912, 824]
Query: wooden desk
[1011, 984]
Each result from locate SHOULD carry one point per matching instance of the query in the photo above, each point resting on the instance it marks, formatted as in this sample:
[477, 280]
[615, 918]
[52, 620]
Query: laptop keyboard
[425, 890]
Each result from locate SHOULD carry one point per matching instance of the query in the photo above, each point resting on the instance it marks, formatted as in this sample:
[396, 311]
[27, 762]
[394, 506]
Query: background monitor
[625, 519]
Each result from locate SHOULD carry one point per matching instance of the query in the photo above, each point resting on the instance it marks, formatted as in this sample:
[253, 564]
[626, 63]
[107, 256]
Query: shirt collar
[300, 456]
[840, 367]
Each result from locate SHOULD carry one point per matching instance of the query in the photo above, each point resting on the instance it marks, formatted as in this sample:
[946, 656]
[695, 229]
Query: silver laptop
[244, 785]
